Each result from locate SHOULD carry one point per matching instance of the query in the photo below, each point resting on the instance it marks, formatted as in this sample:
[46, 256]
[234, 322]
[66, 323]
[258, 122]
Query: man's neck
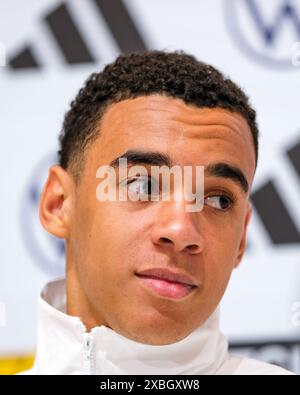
[77, 303]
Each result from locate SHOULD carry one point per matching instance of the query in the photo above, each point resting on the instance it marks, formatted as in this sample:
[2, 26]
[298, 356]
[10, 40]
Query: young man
[144, 279]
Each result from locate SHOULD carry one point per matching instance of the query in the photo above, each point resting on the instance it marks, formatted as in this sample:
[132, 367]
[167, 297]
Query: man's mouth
[167, 283]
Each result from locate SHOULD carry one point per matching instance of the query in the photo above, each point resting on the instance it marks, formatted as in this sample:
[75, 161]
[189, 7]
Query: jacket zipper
[87, 353]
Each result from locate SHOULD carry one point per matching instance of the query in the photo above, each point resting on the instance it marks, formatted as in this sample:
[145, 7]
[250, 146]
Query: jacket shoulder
[249, 366]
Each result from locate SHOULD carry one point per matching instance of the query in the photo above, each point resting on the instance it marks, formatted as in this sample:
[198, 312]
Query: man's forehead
[159, 118]
[191, 136]
[154, 107]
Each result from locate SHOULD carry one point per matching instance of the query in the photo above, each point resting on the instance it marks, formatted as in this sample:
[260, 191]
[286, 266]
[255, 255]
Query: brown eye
[220, 202]
[143, 186]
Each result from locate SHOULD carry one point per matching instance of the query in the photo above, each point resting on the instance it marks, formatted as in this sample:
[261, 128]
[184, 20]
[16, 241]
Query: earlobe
[243, 242]
[56, 202]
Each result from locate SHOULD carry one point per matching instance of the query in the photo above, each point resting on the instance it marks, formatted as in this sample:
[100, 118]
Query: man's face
[109, 242]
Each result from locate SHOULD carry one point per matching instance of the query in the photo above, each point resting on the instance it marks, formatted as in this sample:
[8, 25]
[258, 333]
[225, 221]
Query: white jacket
[65, 347]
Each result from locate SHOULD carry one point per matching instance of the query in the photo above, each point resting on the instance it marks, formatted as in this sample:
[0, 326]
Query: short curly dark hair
[175, 74]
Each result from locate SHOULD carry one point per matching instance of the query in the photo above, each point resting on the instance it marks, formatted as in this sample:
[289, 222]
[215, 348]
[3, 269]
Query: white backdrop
[249, 40]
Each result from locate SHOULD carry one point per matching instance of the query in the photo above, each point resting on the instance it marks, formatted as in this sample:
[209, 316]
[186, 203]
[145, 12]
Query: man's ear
[243, 242]
[56, 202]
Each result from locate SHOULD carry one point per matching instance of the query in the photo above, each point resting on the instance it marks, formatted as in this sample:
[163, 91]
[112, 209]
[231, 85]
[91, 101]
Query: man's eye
[220, 202]
[143, 186]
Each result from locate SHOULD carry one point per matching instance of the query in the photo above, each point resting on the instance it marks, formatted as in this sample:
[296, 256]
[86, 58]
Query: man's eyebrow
[155, 158]
[224, 170]
[135, 157]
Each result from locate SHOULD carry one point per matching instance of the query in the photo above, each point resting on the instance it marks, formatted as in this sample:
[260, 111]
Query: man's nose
[177, 229]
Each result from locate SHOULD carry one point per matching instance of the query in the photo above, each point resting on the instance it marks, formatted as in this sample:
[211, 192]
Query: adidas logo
[70, 40]
[272, 209]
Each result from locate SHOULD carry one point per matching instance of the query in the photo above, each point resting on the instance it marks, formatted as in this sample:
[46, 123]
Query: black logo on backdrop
[70, 41]
[272, 210]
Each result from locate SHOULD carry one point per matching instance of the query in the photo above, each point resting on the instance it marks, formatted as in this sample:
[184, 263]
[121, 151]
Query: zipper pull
[87, 353]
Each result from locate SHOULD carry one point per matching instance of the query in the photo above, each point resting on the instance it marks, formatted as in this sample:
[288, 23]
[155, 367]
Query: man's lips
[167, 283]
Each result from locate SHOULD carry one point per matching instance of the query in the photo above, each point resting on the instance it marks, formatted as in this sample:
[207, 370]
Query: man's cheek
[219, 267]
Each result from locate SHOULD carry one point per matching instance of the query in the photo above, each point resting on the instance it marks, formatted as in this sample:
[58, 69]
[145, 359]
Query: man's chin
[159, 338]
[154, 326]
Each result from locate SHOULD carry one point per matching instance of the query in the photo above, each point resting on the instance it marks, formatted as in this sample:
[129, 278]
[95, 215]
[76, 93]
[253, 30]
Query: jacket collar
[65, 347]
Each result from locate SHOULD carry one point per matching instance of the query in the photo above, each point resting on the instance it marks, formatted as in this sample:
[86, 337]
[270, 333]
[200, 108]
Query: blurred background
[47, 50]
